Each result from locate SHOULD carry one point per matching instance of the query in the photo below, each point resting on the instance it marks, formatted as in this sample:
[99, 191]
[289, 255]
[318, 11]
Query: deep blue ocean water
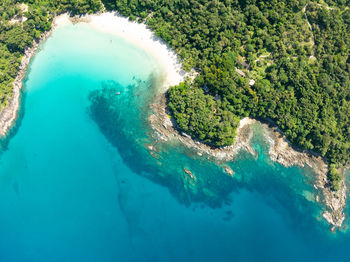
[77, 182]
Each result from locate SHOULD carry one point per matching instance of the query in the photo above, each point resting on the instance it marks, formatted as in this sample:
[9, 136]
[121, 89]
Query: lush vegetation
[334, 177]
[198, 119]
[296, 51]
[301, 74]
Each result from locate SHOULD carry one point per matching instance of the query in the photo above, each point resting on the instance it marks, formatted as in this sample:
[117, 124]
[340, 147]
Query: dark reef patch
[123, 121]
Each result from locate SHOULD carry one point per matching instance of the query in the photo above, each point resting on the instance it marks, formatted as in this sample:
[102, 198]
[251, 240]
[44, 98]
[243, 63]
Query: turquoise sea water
[77, 182]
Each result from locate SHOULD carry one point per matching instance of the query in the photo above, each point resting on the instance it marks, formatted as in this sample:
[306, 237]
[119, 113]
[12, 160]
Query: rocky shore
[166, 129]
[9, 114]
[280, 151]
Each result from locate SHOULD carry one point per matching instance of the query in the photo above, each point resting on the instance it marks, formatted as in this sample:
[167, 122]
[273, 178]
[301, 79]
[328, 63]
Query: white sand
[140, 35]
[61, 20]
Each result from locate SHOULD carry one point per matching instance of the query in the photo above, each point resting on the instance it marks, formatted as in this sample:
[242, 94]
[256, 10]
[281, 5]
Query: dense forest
[282, 60]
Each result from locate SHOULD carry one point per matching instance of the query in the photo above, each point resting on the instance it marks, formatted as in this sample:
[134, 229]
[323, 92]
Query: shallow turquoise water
[77, 182]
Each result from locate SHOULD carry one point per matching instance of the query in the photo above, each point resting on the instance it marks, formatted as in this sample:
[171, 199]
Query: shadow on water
[4, 141]
[125, 125]
[123, 121]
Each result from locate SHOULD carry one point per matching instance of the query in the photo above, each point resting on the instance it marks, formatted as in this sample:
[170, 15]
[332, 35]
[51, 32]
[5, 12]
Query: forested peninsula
[281, 60]
[285, 61]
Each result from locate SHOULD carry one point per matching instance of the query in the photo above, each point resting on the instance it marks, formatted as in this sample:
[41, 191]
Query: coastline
[10, 113]
[110, 22]
[166, 129]
[280, 151]
[172, 74]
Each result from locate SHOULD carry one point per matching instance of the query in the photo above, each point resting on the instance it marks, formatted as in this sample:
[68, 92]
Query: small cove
[77, 182]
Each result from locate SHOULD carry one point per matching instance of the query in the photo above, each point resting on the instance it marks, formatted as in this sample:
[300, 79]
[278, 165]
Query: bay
[78, 183]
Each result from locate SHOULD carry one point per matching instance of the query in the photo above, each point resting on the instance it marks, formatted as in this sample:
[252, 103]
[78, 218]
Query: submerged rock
[228, 170]
[190, 174]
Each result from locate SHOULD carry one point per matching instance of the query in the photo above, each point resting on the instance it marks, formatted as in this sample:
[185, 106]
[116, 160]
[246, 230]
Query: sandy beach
[140, 35]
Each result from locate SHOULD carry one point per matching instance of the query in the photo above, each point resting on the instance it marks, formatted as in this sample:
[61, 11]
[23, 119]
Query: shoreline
[10, 113]
[140, 35]
[279, 151]
[165, 128]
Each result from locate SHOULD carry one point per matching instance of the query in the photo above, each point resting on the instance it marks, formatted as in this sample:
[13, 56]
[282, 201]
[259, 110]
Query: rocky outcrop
[228, 170]
[280, 151]
[167, 129]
